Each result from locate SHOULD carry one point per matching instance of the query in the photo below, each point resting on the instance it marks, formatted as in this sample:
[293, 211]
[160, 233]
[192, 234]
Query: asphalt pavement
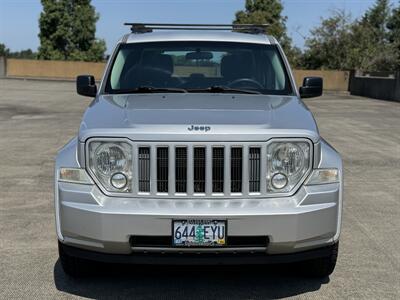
[39, 117]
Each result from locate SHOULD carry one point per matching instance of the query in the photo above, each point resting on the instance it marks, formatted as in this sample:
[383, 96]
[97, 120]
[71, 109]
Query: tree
[24, 54]
[371, 49]
[67, 31]
[4, 51]
[269, 12]
[394, 33]
[327, 48]
[364, 44]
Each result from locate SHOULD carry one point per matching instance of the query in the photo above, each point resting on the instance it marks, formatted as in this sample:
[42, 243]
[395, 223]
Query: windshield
[193, 66]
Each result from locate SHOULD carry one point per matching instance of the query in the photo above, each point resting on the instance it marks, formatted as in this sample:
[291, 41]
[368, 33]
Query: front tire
[322, 267]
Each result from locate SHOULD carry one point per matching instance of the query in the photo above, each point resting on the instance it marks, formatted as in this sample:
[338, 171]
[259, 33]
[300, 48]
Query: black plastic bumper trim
[195, 258]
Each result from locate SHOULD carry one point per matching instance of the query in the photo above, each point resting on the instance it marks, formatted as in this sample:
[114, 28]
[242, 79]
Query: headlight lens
[287, 164]
[111, 163]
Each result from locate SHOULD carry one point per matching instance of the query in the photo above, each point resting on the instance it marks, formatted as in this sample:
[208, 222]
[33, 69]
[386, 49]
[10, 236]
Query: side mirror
[86, 85]
[312, 87]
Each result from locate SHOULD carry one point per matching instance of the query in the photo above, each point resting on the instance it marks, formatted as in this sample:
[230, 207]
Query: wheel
[321, 267]
[73, 266]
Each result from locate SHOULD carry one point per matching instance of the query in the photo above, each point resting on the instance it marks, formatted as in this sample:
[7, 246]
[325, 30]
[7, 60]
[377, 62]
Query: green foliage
[366, 44]
[270, 12]
[4, 51]
[264, 12]
[327, 47]
[67, 31]
[23, 54]
[394, 33]
[371, 49]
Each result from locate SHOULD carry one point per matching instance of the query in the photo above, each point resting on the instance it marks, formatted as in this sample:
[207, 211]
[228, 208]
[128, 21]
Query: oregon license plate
[199, 233]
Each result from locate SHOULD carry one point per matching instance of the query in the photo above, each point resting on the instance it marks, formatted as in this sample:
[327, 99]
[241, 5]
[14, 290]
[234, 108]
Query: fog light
[119, 180]
[279, 181]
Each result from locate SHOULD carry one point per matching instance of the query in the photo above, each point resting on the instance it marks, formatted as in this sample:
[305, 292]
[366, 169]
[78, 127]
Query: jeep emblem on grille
[199, 128]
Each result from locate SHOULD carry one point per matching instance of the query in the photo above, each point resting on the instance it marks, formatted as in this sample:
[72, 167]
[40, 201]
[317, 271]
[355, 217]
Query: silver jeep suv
[197, 149]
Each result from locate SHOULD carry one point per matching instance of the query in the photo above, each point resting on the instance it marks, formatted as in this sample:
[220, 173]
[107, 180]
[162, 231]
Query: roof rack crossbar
[149, 27]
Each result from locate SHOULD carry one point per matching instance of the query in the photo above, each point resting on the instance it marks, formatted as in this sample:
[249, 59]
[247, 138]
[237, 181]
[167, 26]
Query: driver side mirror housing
[312, 87]
[86, 85]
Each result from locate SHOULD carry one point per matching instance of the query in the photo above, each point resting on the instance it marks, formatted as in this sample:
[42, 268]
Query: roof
[220, 36]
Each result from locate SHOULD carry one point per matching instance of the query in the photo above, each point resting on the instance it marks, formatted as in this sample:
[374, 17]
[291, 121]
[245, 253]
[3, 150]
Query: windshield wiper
[222, 89]
[149, 89]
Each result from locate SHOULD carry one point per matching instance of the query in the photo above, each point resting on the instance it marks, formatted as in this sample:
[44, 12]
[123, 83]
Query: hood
[190, 116]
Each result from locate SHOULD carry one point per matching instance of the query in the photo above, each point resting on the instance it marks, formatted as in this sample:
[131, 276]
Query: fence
[2, 66]
[379, 85]
[333, 80]
[52, 69]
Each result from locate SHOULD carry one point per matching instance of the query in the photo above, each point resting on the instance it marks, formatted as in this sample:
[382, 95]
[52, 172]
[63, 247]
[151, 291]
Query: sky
[19, 18]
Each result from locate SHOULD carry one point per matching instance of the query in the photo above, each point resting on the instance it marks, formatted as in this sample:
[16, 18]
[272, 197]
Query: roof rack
[149, 27]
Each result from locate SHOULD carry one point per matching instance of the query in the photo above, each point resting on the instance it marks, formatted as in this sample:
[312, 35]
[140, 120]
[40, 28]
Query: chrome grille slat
[153, 170]
[190, 171]
[227, 170]
[245, 171]
[209, 171]
[199, 169]
[263, 170]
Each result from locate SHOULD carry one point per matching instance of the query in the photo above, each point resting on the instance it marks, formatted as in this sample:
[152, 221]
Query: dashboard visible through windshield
[194, 66]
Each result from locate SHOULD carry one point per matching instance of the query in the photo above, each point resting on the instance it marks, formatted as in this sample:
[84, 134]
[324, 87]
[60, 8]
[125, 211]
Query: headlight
[111, 164]
[288, 162]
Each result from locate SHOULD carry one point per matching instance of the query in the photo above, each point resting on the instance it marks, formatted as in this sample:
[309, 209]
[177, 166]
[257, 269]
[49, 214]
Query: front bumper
[196, 258]
[90, 220]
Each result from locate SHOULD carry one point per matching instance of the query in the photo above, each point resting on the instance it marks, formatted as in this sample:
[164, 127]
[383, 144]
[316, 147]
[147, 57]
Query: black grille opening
[144, 169]
[218, 170]
[254, 169]
[199, 169]
[162, 170]
[165, 241]
[180, 170]
[236, 169]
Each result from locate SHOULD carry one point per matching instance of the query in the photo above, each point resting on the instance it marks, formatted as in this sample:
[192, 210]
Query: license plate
[199, 233]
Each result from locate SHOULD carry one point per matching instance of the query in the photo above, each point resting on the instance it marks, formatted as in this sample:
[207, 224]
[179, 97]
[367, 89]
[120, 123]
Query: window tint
[198, 65]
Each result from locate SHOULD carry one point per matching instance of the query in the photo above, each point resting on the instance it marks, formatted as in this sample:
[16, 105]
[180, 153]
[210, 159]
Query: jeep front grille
[197, 169]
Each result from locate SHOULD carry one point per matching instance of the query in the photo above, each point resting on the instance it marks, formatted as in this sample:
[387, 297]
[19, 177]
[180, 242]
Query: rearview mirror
[199, 55]
[312, 87]
[86, 85]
